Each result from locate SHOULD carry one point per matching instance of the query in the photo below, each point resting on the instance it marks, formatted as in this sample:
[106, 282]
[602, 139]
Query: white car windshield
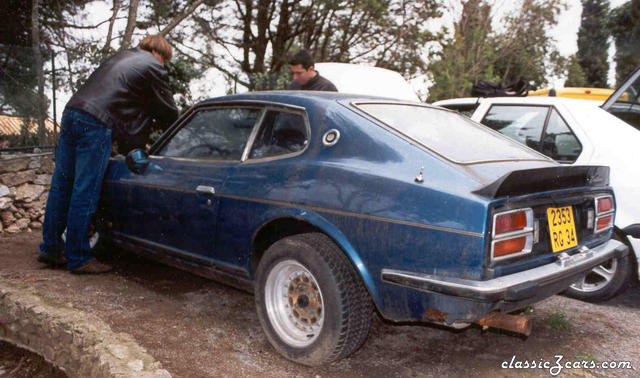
[449, 134]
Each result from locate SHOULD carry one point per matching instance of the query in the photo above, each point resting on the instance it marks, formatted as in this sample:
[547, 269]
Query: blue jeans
[82, 156]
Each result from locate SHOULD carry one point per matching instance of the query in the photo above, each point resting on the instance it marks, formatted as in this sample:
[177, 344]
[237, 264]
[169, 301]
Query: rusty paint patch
[435, 315]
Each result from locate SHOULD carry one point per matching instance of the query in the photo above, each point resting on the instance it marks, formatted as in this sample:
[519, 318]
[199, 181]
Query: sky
[213, 84]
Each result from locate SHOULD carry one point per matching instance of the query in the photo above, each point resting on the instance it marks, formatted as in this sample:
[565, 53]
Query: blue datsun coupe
[328, 206]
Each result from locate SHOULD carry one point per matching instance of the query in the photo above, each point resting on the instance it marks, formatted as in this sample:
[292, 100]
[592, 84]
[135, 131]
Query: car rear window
[449, 134]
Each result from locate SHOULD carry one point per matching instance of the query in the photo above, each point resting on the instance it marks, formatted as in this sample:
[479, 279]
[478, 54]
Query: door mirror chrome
[137, 160]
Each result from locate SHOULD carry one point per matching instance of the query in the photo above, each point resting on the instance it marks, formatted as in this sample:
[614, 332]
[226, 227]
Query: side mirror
[137, 160]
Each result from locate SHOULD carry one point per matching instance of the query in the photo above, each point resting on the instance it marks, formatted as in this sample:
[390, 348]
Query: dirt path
[198, 328]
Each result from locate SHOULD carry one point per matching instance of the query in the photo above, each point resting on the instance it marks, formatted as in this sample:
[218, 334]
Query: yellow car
[598, 94]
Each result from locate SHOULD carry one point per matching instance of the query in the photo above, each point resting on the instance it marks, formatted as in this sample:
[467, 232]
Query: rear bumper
[520, 288]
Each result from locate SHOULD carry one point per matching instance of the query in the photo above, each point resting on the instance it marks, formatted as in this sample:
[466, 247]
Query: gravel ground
[199, 328]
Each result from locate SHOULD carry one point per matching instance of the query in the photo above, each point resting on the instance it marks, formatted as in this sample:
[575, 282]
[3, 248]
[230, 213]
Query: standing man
[305, 77]
[117, 102]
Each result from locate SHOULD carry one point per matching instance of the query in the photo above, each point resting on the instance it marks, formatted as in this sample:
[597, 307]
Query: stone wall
[79, 343]
[24, 188]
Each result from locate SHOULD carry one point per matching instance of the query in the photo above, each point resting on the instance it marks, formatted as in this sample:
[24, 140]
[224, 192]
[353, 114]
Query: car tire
[311, 302]
[605, 281]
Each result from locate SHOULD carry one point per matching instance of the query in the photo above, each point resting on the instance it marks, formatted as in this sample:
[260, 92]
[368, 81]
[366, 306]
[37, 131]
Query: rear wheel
[311, 302]
[604, 281]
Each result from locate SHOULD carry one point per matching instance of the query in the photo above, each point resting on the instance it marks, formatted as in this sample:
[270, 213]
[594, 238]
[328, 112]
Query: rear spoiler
[543, 179]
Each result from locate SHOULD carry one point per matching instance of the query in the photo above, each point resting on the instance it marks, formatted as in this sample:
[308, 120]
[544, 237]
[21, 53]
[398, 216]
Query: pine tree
[593, 42]
[625, 27]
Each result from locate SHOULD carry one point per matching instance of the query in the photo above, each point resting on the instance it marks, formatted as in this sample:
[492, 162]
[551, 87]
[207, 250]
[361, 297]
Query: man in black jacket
[305, 77]
[117, 102]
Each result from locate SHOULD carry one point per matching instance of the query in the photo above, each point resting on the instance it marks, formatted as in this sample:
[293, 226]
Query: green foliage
[593, 42]
[624, 22]
[558, 320]
[526, 51]
[467, 57]
[585, 357]
[181, 72]
[475, 52]
[575, 75]
[266, 81]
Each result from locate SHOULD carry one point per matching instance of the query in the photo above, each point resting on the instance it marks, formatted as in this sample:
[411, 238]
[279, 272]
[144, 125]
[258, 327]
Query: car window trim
[292, 110]
[188, 116]
[550, 108]
[544, 125]
[544, 133]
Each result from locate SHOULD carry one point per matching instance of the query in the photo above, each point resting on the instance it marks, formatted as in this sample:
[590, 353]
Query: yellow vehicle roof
[600, 94]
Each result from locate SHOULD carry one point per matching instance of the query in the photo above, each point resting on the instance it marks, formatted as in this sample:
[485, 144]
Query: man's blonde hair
[157, 43]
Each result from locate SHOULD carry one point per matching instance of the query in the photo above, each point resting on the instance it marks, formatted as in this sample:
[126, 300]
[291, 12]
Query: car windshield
[627, 101]
[449, 134]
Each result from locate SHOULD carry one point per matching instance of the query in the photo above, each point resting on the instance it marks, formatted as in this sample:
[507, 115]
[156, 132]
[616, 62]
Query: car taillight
[512, 233]
[604, 213]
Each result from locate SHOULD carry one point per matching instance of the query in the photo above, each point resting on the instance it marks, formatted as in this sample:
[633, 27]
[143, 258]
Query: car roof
[534, 100]
[303, 97]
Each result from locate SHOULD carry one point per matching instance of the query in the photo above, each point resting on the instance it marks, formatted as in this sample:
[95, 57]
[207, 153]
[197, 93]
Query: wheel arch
[296, 221]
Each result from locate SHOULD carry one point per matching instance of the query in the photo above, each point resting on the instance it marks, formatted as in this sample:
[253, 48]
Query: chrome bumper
[555, 276]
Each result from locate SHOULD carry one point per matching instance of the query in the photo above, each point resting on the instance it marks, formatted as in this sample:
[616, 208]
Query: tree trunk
[131, 24]
[37, 65]
[187, 12]
[116, 7]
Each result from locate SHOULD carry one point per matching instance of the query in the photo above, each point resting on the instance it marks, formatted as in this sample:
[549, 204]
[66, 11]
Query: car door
[173, 204]
[270, 175]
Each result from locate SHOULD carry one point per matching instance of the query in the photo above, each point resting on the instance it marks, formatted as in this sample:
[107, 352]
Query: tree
[262, 33]
[525, 50]
[522, 50]
[467, 56]
[575, 75]
[624, 23]
[593, 42]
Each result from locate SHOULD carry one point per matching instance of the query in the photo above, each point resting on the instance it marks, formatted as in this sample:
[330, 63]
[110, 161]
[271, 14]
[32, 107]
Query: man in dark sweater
[305, 77]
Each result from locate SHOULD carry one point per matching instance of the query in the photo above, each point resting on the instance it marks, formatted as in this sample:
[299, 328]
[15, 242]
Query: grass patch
[558, 320]
[585, 357]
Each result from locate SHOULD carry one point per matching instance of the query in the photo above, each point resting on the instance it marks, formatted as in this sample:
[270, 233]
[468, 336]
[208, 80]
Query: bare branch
[116, 7]
[187, 12]
[131, 24]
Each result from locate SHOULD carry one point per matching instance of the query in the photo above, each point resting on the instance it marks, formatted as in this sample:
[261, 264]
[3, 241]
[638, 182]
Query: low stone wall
[79, 343]
[24, 188]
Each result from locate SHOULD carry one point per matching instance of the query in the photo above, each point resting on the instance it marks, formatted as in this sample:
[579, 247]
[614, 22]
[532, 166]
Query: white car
[366, 80]
[577, 132]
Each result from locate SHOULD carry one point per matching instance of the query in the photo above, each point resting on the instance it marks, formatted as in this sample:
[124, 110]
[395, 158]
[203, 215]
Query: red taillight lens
[604, 222]
[512, 233]
[604, 213]
[507, 247]
[510, 222]
[604, 204]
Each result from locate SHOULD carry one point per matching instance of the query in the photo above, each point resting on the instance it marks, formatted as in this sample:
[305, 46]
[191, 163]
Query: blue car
[329, 206]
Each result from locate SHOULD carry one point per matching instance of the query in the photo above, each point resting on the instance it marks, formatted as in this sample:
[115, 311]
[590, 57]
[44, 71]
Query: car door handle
[205, 189]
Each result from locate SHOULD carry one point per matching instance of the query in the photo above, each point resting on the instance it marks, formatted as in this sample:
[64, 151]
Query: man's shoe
[53, 262]
[93, 267]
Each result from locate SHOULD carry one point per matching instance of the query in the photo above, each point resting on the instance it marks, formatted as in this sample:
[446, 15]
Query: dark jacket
[126, 92]
[316, 83]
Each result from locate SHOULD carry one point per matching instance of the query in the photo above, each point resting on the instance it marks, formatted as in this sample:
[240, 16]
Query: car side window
[522, 123]
[217, 133]
[559, 142]
[281, 133]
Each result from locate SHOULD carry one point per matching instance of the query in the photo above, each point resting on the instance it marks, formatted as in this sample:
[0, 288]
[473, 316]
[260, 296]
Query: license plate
[562, 228]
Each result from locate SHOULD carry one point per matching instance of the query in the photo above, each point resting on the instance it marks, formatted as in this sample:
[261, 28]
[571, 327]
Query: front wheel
[604, 281]
[311, 302]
